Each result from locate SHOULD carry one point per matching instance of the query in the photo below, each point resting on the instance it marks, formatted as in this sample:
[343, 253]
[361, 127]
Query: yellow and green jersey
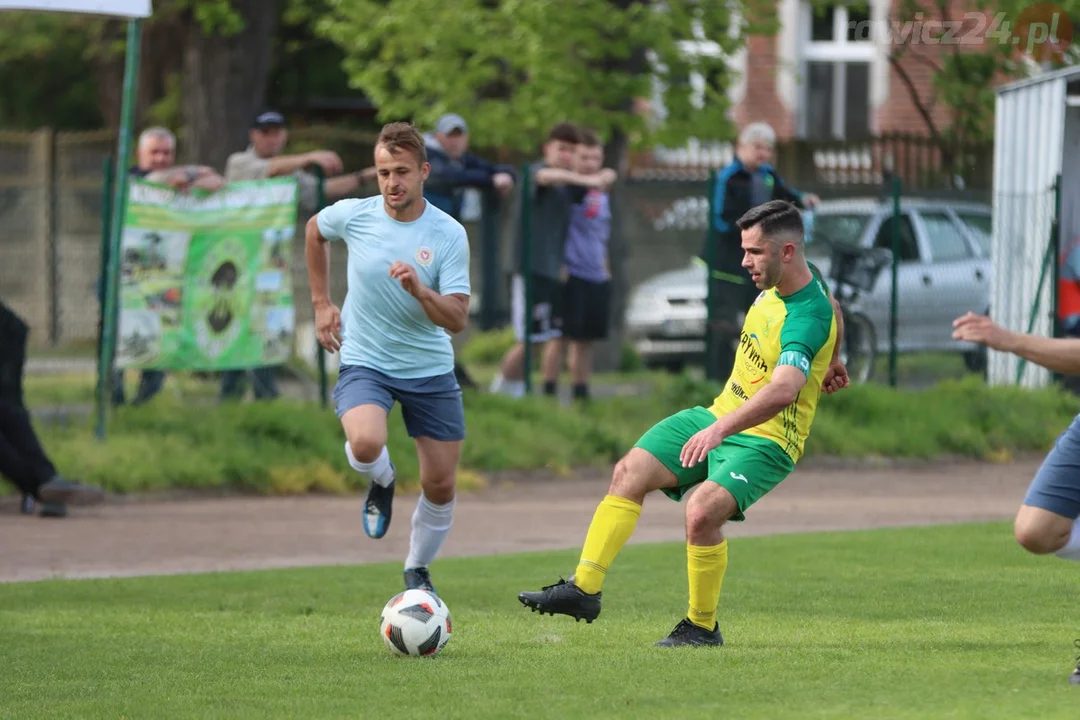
[797, 330]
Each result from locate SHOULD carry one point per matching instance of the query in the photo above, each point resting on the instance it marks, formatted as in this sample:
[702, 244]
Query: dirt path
[180, 536]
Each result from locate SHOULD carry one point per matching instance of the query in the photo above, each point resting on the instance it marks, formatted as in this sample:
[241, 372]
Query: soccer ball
[415, 622]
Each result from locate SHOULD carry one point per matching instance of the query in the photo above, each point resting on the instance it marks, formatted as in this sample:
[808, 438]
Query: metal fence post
[489, 259]
[320, 352]
[712, 359]
[1055, 230]
[526, 268]
[895, 266]
[106, 216]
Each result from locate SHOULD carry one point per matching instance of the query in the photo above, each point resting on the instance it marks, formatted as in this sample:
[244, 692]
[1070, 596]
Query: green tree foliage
[518, 66]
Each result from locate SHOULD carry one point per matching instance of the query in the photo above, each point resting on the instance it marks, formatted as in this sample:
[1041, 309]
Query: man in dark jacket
[453, 169]
[22, 459]
[750, 180]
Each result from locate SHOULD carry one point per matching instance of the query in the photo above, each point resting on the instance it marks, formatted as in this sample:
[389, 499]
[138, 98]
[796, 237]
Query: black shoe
[27, 505]
[687, 633]
[59, 491]
[53, 510]
[419, 579]
[563, 598]
[377, 508]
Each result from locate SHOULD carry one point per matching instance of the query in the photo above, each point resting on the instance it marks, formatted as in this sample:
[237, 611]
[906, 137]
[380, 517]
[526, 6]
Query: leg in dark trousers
[265, 383]
[24, 462]
[22, 459]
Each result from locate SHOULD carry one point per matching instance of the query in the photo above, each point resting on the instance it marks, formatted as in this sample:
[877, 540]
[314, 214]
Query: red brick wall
[897, 114]
[761, 103]
[918, 59]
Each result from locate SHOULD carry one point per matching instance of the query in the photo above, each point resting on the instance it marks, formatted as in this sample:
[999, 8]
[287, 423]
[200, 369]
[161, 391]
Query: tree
[968, 57]
[204, 66]
[517, 67]
[520, 66]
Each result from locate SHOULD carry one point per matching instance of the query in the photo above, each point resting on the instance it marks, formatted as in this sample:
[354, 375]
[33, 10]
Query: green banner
[205, 281]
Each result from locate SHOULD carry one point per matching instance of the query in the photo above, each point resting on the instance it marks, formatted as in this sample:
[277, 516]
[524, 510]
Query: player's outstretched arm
[1061, 355]
[327, 316]
[782, 390]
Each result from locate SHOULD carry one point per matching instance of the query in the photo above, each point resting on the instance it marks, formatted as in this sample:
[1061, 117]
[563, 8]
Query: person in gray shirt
[264, 159]
[556, 189]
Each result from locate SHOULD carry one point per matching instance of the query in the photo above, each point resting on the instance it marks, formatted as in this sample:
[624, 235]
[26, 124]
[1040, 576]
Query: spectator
[22, 459]
[454, 168]
[750, 180]
[264, 159]
[155, 155]
[587, 290]
[556, 189]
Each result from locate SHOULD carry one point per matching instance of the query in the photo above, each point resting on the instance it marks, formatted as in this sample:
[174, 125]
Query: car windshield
[836, 229]
[979, 225]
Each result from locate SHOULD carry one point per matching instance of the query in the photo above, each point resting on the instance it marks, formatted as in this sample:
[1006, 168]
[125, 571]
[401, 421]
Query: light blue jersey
[384, 327]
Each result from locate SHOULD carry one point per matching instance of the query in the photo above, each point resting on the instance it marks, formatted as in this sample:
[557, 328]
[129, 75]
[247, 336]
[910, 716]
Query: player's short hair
[399, 136]
[589, 138]
[779, 221]
[565, 132]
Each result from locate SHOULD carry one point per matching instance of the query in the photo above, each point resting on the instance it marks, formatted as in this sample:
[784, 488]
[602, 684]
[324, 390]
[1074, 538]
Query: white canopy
[122, 8]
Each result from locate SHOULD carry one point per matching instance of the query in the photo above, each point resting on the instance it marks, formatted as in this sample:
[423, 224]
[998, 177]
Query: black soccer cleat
[419, 579]
[377, 508]
[563, 598]
[687, 633]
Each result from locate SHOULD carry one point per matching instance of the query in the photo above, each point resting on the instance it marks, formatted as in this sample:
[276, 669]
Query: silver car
[944, 271]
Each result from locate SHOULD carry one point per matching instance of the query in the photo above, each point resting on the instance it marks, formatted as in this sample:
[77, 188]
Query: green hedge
[292, 447]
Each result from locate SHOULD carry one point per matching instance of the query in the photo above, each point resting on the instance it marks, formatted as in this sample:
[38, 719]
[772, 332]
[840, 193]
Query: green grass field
[951, 622]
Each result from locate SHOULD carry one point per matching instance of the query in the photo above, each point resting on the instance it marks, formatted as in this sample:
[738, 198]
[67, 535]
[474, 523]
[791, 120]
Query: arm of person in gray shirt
[557, 176]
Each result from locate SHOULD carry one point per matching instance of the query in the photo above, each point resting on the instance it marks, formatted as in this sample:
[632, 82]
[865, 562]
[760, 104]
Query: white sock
[513, 388]
[1071, 551]
[430, 527]
[380, 471]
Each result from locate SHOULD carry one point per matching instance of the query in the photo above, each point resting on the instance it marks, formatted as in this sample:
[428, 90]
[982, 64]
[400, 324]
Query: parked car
[944, 271]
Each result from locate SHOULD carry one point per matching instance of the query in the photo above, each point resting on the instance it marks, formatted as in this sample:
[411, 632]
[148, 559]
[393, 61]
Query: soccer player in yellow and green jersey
[743, 445]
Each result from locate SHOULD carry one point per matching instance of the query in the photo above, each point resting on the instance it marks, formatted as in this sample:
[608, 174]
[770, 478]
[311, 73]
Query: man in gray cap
[453, 169]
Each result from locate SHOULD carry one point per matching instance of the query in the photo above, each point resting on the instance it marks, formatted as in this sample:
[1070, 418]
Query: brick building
[827, 75]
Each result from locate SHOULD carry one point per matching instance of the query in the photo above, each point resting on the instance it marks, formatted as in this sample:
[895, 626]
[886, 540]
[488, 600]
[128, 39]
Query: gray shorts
[431, 406]
[1056, 486]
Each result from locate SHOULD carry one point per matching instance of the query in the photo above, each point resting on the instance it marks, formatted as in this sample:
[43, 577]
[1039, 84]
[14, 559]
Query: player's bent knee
[439, 490]
[1040, 531]
[637, 474]
[706, 512]
[366, 449]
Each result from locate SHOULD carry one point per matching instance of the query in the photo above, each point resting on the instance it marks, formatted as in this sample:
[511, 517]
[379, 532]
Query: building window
[835, 79]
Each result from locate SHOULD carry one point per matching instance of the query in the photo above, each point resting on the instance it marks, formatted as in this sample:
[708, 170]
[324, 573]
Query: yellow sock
[705, 566]
[612, 525]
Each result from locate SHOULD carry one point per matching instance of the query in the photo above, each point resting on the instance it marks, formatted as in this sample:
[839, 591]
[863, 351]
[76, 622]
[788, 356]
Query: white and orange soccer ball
[416, 623]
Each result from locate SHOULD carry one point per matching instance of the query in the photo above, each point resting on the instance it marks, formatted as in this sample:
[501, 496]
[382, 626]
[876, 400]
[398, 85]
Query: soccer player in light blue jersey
[408, 286]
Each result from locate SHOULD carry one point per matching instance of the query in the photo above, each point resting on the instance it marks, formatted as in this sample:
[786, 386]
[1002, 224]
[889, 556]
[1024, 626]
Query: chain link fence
[51, 201]
[942, 269]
